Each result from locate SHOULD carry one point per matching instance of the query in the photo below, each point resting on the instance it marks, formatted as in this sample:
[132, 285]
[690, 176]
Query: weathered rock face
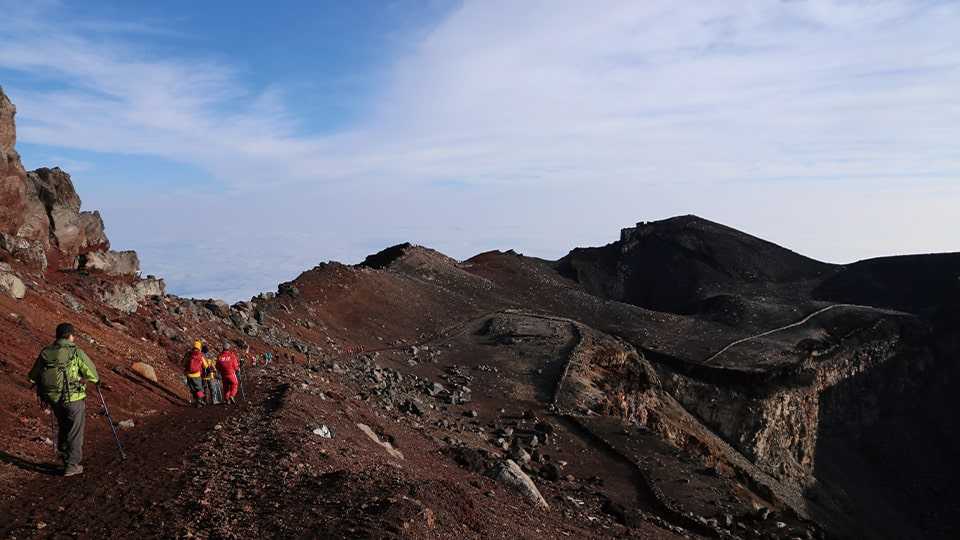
[8, 132]
[18, 215]
[111, 262]
[775, 420]
[776, 431]
[127, 298]
[609, 377]
[29, 252]
[40, 210]
[71, 231]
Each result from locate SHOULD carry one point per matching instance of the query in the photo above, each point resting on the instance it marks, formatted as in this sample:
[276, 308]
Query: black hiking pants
[71, 419]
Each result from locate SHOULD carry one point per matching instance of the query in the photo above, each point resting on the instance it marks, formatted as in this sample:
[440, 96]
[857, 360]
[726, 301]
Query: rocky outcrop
[19, 216]
[127, 297]
[71, 231]
[775, 420]
[41, 221]
[111, 262]
[8, 131]
[218, 307]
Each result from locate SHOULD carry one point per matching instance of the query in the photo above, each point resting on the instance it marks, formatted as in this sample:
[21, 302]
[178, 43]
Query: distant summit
[671, 264]
[914, 283]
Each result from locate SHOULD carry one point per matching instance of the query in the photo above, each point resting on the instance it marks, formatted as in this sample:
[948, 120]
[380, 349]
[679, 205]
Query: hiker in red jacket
[228, 364]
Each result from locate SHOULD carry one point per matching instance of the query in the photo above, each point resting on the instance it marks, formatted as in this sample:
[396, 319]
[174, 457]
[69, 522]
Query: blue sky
[235, 145]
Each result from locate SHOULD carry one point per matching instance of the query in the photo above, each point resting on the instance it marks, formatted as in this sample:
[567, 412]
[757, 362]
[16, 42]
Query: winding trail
[801, 322]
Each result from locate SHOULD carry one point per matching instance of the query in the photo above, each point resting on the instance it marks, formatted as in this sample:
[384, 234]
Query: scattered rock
[12, 285]
[520, 455]
[145, 370]
[436, 389]
[165, 331]
[126, 424]
[412, 406]
[71, 302]
[288, 289]
[550, 472]
[324, 431]
[385, 444]
[470, 458]
[509, 473]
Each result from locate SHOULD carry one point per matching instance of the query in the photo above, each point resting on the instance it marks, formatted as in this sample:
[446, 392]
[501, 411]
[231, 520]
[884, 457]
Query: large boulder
[509, 473]
[111, 262]
[12, 285]
[218, 307]
[127, 297]
[145, 370]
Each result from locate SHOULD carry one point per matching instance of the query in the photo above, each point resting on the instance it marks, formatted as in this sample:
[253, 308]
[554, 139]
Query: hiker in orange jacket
[193, 368]
[228, 364]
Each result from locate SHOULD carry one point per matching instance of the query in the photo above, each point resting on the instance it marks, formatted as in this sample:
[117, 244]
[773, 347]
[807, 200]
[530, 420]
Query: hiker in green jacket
[61, 373]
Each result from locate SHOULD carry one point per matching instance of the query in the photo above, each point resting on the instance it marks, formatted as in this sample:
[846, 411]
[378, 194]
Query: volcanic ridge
[685, 381]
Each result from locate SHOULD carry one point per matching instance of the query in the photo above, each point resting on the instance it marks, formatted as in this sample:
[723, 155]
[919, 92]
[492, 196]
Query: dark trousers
[71, 420]
[195, 384]
[214, 390]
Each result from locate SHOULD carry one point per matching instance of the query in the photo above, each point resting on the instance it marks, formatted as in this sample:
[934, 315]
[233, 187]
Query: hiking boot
[73, 470]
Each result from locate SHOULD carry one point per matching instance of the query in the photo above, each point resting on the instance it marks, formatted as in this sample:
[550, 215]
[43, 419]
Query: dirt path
[111, 495]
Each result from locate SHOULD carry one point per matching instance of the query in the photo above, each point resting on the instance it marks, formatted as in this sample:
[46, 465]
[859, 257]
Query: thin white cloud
[823, 124]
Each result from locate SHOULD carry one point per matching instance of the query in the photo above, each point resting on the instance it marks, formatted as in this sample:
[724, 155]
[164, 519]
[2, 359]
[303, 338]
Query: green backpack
[59, 380]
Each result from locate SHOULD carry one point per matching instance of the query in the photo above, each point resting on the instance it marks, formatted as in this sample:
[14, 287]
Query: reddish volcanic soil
[685, 381]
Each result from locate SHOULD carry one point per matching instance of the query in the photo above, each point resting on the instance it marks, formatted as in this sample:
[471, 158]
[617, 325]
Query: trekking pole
[243, 395]
[56, 431]
[47, 409]
[113, 428]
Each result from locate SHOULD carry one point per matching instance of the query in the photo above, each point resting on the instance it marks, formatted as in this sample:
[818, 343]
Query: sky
[235, 146]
